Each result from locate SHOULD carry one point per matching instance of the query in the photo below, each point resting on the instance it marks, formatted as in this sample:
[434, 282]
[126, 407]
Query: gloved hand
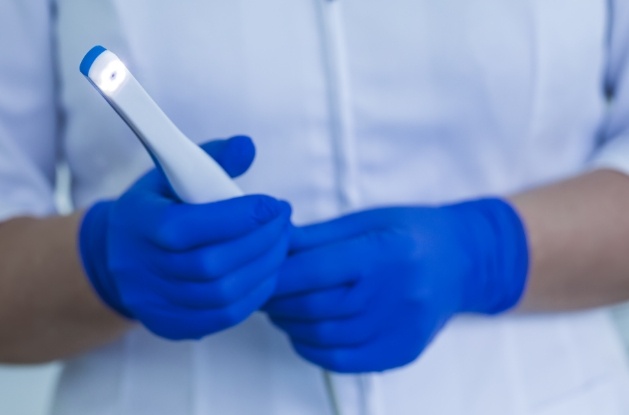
[186, 271]
[369, 291]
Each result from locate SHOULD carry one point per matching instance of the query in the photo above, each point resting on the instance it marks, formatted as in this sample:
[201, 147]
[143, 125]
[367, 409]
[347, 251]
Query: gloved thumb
[234, 155]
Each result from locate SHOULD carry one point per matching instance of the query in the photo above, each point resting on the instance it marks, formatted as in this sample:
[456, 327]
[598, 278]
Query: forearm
[578, 233]
[48, 310]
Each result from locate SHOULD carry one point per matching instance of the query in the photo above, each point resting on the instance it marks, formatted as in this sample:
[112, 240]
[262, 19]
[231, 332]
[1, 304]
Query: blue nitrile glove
[369, 291]
[186, 271]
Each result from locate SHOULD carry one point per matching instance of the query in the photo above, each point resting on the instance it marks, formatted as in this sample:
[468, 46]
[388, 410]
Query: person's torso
[351, 104]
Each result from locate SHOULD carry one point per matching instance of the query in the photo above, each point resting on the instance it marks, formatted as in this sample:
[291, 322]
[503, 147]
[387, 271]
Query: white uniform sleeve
[614, 150]
[28, 114]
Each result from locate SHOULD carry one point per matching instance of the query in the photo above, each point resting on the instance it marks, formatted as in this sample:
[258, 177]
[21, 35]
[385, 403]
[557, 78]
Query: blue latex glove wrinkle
[186, 271]
[369, 291]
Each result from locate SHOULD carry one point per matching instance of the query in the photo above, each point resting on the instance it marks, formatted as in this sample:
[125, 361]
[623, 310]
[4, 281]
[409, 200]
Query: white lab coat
[352, 103]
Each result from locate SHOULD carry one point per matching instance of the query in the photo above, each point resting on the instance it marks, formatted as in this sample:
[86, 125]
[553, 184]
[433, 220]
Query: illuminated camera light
[105, 70]
[112, 76]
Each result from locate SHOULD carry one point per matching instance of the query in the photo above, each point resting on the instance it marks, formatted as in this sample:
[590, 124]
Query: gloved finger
[235, 155]
[353, 331]
[182, 227]
[152, 187]
[229, 289]
[177, 324]
[331, 265]
[335, 230]
[216, 261]
[339, 302]
[346, 227]
[383, 353]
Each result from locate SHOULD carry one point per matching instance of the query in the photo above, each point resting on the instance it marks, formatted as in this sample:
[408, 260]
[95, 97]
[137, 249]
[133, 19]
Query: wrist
[499, 255]
[93, 253]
